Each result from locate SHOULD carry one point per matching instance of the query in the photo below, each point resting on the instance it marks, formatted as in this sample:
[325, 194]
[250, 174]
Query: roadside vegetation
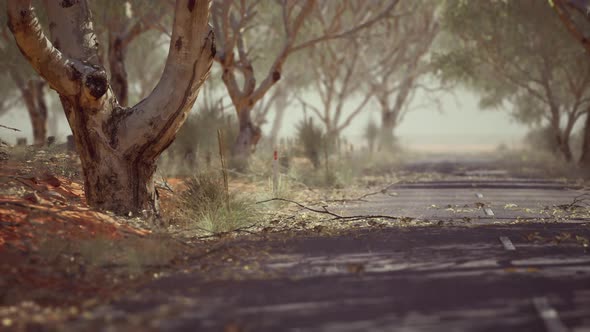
[167, 166]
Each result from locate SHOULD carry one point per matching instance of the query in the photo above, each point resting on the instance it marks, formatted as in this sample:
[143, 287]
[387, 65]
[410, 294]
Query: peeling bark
[118, 146]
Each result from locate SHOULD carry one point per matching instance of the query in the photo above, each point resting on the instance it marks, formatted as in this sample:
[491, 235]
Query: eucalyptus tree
[338, 79]
[296, 78]
[293, 24]
[518, 55]
[20, 78]
[118, 146]
[575, 15]
[397, 60]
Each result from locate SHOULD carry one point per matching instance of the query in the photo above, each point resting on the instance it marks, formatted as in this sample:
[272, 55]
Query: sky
[458, 126]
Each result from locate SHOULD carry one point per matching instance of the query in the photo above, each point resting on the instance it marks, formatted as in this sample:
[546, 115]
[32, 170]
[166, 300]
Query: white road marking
[549, 315]
[508, 245]
[488, 211]
[479, 195]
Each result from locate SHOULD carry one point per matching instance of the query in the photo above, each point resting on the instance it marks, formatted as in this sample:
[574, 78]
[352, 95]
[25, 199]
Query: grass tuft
[205, 207]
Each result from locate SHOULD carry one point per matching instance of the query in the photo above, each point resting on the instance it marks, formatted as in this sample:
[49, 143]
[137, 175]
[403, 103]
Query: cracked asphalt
[454, 276]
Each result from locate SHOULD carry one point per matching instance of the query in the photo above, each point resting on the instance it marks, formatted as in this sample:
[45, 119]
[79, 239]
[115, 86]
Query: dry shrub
[206, 209]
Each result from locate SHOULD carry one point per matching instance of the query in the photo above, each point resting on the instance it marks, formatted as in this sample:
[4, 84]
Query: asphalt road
[522, 267]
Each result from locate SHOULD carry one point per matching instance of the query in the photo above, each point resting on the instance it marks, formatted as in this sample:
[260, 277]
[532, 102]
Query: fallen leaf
[355, 268]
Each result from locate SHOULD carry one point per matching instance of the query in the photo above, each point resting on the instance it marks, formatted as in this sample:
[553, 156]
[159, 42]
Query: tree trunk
[122, 180]
[35, 104]
[246, 141]
[118, 80]
[33, 96]
[562, 138]
[390, 116]
[563, 143]
[118, 146]
[585, 158]
[386, 137]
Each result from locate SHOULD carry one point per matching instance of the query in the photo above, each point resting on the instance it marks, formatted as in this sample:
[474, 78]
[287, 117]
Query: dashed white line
[479, 195]
[508, 245]
[549, 315]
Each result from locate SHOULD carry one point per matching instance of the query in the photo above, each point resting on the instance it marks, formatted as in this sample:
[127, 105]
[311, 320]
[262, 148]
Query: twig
[362, 198]
[9, 128]
[580, 199]
[223, 168]
[244, 229]
[21, 180]
[165, 185]
[325, 211]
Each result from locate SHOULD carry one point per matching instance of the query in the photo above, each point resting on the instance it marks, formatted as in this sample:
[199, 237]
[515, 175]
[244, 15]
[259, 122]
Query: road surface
[494, 254]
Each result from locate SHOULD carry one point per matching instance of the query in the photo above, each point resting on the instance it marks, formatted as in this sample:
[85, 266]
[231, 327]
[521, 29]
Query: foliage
[519, 57]
[397, 64]
[312, 139]
[536, 163]
[197, 140]
[541, 139]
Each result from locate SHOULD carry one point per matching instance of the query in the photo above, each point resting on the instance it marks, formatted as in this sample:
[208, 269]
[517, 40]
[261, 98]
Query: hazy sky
[459, 127]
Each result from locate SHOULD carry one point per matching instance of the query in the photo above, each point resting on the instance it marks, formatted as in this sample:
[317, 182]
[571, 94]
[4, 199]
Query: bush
[197, 141]
[312, 139]
[205, 205]
[543, 140]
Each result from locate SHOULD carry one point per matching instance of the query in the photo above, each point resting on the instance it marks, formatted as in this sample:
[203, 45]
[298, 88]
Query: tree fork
[118, 146]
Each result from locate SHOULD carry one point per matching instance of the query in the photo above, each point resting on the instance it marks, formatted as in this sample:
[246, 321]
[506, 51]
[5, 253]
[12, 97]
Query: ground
[471, 247]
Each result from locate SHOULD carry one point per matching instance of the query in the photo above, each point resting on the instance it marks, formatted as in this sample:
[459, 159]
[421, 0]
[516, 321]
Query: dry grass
[539, 164]
[206, 209]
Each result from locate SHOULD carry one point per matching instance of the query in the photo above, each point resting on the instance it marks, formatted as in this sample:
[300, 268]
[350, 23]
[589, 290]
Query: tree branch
[47, 60]
[325, 211]
[153, 122]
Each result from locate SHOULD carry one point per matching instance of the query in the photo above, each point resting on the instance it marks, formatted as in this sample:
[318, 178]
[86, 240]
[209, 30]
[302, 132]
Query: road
[498, 254]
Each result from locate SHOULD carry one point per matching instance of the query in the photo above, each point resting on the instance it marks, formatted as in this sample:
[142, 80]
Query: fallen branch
[222, 234]
[580, 199]
[211, 234]
[325, 211]
[362, 198]
[164, 185]
[9, 128]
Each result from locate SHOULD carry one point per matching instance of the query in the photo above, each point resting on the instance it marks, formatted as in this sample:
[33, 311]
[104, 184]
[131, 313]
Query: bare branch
[560, 8]
[47, 60]
[9, 128]
[347, 33]
[324, 211]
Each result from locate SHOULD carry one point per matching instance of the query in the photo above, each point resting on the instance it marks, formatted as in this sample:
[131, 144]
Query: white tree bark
[118, 146]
